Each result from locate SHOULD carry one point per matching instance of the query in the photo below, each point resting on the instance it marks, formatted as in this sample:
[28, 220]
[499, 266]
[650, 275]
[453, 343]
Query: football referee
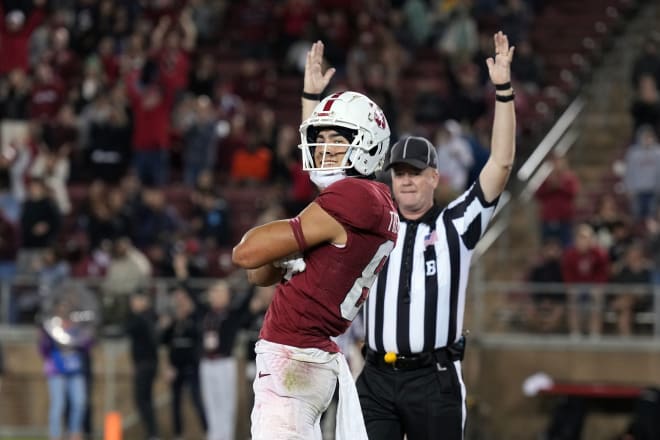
[412, 383]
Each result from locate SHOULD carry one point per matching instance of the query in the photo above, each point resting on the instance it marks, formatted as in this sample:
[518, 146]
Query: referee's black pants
[426, 403]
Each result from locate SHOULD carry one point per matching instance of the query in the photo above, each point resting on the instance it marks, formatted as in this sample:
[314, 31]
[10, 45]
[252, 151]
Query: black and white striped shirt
[418, 301]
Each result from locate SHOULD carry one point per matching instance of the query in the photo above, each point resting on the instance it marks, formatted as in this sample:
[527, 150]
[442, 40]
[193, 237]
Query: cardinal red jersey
[321, 301]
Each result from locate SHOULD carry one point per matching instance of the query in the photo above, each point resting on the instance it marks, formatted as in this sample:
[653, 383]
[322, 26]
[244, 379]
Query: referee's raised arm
[496, 172]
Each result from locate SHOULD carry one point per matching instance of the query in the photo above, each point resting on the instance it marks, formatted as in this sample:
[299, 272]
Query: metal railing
[503, 311]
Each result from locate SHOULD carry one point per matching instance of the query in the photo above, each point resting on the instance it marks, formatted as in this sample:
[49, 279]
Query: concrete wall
[494, 377]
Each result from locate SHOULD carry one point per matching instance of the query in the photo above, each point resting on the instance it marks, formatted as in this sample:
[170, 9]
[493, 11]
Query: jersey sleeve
[469, 214]
[351, 204]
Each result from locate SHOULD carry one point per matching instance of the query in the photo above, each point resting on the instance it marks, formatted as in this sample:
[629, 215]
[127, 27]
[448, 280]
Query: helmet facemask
[319, 156]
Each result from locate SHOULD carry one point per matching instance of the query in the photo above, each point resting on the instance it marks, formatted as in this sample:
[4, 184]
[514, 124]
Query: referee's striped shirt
[418, 301]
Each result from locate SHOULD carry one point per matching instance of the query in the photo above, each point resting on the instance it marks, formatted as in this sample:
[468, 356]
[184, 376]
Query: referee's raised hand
[499, 67]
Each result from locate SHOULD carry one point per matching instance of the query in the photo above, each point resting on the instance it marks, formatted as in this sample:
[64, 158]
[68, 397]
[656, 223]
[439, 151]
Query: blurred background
[140, 139]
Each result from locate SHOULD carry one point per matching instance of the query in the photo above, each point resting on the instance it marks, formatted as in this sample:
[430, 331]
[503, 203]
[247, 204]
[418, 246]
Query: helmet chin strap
[324, 178]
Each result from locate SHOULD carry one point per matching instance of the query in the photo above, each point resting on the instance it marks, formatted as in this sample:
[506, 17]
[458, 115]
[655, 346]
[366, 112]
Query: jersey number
[360, 290]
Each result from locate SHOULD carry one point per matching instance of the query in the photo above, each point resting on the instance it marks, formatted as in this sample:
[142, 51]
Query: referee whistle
[390, 357]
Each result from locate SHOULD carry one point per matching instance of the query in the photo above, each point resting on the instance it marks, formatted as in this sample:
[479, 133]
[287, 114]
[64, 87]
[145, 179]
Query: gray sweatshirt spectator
[642, 176]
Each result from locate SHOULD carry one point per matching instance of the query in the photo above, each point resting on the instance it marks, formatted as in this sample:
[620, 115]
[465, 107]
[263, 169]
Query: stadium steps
[606, 125]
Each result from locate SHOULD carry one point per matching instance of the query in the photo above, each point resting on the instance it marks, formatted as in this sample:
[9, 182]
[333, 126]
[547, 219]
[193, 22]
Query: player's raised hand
[499, 68]
[315, 80]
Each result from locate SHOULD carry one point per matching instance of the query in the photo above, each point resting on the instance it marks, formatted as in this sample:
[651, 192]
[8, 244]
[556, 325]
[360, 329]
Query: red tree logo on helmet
[379, 119]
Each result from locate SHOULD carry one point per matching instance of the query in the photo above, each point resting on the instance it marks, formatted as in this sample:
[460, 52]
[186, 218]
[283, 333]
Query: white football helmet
[358, 119]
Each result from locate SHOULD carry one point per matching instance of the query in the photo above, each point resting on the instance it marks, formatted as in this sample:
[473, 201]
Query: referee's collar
[428, 218]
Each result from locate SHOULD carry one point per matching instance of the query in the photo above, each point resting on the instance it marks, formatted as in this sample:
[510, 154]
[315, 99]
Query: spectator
[52, 167]
[646, 63]
[528, 68]
[100, 225]
[151, 101]
[128, 272]
[460, 39]
[218, 368]
[200, 140]
[622, 238]
[61, 344]
[10, 206]
[107, 60]
[294, 19]
[653, 231]
[642, 176]
[15, 95]
[253, 20]
[236, 138]
[40, 217]
[206, 15]
[108, 150]
[155, 222]
[252, 163]
[183, 338]
[556, 198]
[203, 76]
[15, 32]
[88, 25]
[61, 134]
[141, 330]
[266, 127]
[645, 108]
[255, 82]
[456, 150]
[63, 59]
[585, 263]
[52, 270]
[121, 209]
[185, 263]
[172, 48]
[418, 20]
[211, 220]
[48, 93]
[8, 249]
[18, 154]
[549, 302]
[467, 103]
[637, 274]
[515, 19]
[607, 218]
[430, 101]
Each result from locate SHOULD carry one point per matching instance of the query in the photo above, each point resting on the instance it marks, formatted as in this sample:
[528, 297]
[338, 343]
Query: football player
[325, 260]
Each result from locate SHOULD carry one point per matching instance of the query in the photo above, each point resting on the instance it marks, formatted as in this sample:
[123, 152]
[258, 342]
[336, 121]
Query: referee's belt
[414, 361]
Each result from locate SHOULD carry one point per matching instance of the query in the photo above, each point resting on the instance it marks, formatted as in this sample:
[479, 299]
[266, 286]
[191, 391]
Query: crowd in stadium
[127, 125]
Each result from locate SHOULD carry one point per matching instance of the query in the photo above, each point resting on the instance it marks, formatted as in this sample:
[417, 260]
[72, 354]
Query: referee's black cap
[415, 151]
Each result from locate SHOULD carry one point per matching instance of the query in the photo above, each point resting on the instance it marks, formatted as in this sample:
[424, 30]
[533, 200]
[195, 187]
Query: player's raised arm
[496, 172]
[315, 80]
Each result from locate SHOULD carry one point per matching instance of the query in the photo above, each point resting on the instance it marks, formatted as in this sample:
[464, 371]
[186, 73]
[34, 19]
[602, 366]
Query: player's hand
[499, 68]
[291, 265]
[315, 80]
